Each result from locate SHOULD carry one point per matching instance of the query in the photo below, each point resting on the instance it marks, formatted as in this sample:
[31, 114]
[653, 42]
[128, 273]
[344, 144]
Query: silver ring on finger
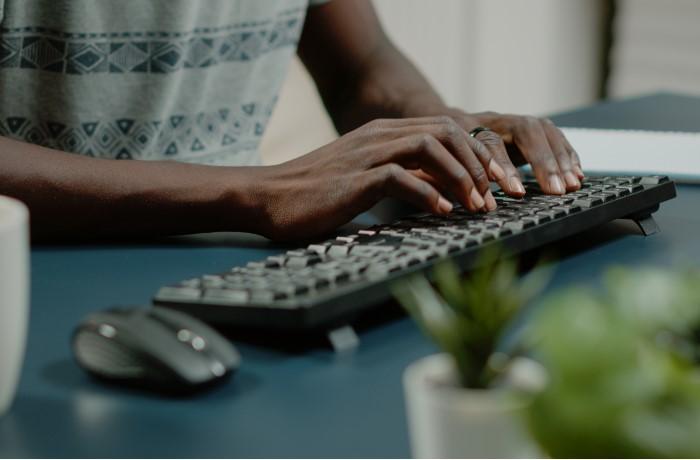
[478, 130]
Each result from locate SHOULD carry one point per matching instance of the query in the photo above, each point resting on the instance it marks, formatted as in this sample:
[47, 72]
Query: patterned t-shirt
[185, 80]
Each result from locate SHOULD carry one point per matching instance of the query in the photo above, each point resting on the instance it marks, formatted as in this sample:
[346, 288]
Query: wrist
[428, 105]
[239, 198]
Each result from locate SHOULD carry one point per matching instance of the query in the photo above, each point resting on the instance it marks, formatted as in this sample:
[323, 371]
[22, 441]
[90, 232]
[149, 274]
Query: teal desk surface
[283, 403]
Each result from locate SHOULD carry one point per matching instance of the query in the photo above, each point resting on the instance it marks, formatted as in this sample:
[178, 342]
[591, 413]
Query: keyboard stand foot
[647, 225]
[343, 339]
[645, 221]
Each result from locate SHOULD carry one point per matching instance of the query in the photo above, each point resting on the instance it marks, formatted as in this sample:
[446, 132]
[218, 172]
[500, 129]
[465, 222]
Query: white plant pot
[448, 421]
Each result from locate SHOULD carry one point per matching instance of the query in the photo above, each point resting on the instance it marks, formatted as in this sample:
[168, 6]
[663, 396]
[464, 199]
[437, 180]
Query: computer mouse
[154, 348]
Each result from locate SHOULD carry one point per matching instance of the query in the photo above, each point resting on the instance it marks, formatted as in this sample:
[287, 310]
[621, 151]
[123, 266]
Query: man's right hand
[420, 160]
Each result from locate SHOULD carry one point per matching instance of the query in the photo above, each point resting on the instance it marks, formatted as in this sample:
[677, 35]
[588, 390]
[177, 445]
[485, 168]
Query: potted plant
[470, 400]
[623, 372]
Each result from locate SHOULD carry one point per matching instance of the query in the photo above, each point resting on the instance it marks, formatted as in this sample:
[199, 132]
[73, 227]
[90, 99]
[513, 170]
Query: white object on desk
[446, 420]
[14, 294]
[638, 152]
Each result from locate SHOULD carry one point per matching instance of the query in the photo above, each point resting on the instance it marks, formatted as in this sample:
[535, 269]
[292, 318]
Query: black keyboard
[326, 285]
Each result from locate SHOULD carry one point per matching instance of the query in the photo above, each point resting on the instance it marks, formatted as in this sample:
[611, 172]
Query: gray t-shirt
[185, 80]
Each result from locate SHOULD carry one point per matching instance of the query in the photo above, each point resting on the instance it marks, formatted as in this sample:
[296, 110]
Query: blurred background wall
[519, 56]
[656, 47]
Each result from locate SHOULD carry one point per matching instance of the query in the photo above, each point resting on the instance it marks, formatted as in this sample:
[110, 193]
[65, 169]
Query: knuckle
[479, 148]
[451, 132]
[564, 159]
[392, 172]
[424, 190]
[479, 175]
[531, 121]
[428, 193]
[375, 126]
[547, 122]
[369, 130]
[376, 123]
[460, 173]
[526, 124]
[445, 120]
[490, 138]
[425, 142]
[550, 164]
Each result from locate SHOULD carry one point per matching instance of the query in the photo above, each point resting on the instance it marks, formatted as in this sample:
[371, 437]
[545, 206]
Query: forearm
[389, 86]
[71, 196]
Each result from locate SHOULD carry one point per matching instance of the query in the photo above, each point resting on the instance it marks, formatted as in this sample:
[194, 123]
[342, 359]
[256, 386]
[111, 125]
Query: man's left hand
[516, 140]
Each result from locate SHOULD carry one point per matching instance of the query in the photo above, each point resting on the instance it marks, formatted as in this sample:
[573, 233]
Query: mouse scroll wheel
[195, 341]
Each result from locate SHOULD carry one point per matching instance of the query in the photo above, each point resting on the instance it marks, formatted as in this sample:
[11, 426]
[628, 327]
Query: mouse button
[127, 326]
[116, 336]
[199, 335]
[106, 357]
[110, 327]
[161, 343]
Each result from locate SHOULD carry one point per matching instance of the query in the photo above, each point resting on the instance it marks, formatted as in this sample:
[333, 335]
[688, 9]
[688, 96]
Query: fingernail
[444, 206]
[579, 172]
[556, 185]
[516, 186]
[490, 201]
[496, 170]
[477, 199]
[571, 181]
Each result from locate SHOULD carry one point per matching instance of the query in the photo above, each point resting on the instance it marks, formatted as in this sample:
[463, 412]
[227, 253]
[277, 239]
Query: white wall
[657, 47]
[521, 56]
[524, 56]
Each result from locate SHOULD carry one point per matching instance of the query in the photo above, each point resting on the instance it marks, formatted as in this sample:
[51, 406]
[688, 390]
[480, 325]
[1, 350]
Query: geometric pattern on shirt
[179, 135]
[145, 52]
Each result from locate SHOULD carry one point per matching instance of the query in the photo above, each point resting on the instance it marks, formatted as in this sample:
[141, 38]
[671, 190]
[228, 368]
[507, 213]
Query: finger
[530, 138]
[510, 180]
[575, 159]
[423, 151]
[463, 148]
[415, 121]
[473, 155]
[393, 180]
[422, 175]
[561, 153]
[470, 152]
[380, 127]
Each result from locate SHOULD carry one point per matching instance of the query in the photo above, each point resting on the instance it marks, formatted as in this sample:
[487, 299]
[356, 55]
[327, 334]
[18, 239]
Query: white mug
[14, 295]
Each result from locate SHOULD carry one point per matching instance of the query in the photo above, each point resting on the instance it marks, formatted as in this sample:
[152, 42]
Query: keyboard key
[519, 226]
[256, 265]
[192, 283]
[620, 192]
[339, 250]
[653, 180]
[263, 296]
[588, 202]
[319, 249]
[178, 293]
[290, 289]
[370, 250]
[605, 197]
[226, 296]
[567, 209]
[302, 261]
